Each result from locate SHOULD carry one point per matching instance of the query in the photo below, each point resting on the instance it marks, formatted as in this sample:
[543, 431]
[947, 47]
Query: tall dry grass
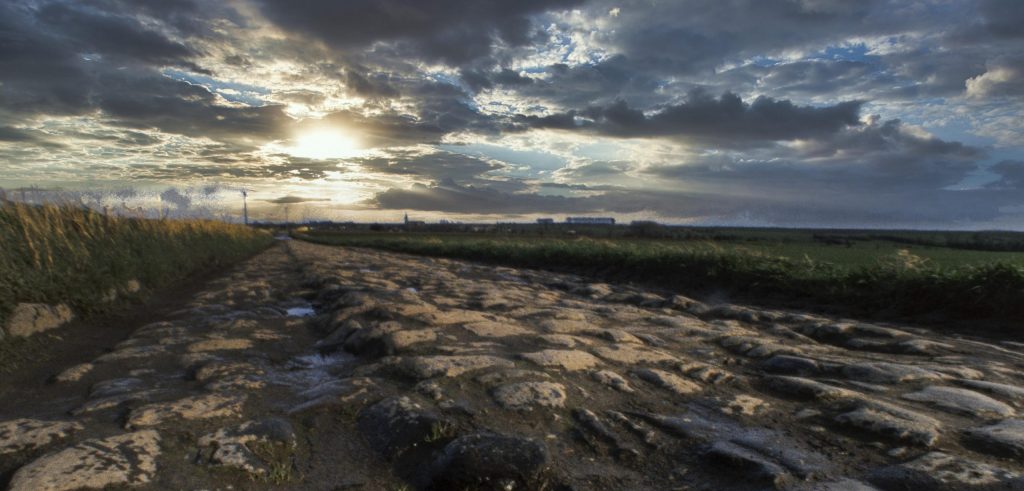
[70, 254]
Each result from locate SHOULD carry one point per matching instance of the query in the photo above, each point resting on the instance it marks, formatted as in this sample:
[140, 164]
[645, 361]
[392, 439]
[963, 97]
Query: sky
[816, 113]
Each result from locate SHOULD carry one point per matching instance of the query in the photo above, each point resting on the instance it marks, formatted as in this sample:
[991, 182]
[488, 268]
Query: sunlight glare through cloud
[324, 143]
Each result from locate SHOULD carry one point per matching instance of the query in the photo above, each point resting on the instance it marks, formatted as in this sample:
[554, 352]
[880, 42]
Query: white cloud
[997, 81]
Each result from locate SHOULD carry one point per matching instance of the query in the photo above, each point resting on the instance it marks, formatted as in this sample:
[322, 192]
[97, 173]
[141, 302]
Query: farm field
[947, 275]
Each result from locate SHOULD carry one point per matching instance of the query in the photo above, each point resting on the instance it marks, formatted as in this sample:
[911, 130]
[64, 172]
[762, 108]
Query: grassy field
[861, 274]
[64, 254]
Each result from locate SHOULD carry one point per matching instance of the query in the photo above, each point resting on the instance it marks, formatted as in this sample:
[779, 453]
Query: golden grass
[70, 254]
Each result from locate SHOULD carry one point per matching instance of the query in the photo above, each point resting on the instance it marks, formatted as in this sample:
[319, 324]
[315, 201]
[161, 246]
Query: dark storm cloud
[601, 83]
[450, 31]
[50, 53]
[112, 35]
[653, 41]
[371, 86]
[39, 71]
[154, 101]
[1011, 174]
[478, 79]
[726, 118]
[998, 20]
[76, 58]
[873, 157]
[678, 37]
[25, 137]
[962, 38]
[1003, 18]
[887, 141]
[658, 49]
[187, 17]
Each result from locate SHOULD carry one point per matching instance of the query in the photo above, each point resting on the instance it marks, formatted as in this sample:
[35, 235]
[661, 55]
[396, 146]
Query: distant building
[545, 221]
[590, 220]
[412, 223]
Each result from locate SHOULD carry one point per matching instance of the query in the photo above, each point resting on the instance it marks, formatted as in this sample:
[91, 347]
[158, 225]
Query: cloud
[374, 85]
[882, 172]
[764, 193]
[596, 170]
[172, 106]
[26, 137]
[686, 109]
[875, 173]
[39, 71]
[1011, 174]
[886, 154]
[430, 165]
[291, 200]
[77, 58]
[448, 31]
[996, 20]
[727, 119]
[112, 35]
[1005, 78]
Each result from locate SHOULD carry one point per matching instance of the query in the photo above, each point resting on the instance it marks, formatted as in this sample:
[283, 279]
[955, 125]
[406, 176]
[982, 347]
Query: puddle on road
[300, 311]
[299, 308]
[308, 371]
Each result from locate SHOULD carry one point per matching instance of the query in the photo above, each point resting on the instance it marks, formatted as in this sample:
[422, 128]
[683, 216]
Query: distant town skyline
[816, 113]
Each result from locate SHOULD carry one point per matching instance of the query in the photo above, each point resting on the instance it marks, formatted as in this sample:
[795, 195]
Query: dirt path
[420, 373]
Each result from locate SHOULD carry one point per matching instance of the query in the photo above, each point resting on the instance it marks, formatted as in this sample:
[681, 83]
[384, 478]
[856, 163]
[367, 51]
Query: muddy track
[312, 367]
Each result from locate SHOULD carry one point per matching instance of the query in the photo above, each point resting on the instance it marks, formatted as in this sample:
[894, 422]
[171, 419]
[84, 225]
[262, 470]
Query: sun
[324, 143]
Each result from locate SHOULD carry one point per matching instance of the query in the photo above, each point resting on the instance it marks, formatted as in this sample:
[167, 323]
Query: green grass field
[65, 254]
[872, 252]
[865, 275]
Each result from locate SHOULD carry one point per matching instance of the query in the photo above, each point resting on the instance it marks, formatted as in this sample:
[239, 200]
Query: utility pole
[245, 205]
